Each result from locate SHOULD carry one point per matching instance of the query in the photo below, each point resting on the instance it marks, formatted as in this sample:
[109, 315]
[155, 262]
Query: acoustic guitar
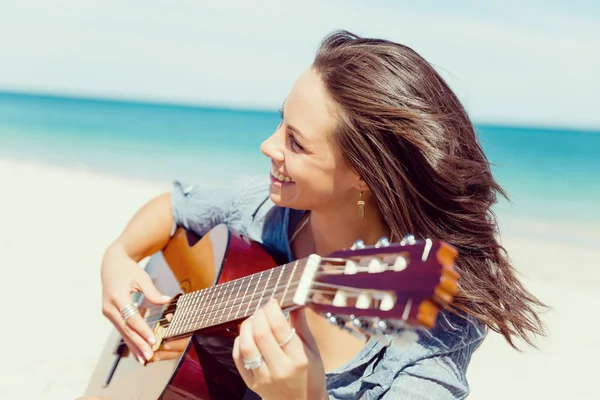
[388, 291]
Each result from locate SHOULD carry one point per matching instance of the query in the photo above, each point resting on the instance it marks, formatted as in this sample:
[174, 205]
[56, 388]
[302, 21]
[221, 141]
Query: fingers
[139, 326]
[135, 329]
[150, 291]
[239, 363]
[118, 323]
[298, 321]
[281, 328]
[245, 348]
[266, 342]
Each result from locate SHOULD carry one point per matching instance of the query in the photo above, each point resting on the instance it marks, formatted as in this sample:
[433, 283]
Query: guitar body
[196, 367]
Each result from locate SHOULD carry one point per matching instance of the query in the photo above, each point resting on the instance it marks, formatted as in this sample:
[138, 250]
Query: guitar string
[175, 302]
[192, 325]
[184, 329]
[328, 289]
[224, 297]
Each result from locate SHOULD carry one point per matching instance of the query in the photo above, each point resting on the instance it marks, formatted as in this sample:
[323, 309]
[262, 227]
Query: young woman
[370, 126]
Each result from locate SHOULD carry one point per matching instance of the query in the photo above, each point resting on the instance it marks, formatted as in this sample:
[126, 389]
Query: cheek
[314, 176]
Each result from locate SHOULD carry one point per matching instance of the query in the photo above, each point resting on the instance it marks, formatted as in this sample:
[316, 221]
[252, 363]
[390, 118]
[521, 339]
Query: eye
[294, 143]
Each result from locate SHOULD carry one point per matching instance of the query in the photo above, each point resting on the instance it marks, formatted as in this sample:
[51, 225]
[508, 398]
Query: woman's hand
[121, 276]
[292, 367]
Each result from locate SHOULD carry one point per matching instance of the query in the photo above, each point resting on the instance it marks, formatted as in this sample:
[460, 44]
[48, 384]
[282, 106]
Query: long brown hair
[406, 133]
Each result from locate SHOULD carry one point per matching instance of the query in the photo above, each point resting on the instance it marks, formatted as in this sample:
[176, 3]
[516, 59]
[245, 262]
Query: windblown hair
[404, 131]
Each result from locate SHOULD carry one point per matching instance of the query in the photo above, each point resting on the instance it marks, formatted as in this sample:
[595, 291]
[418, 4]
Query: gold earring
[361, 206]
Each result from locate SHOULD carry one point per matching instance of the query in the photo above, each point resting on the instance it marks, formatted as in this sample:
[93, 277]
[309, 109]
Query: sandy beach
[55, 224]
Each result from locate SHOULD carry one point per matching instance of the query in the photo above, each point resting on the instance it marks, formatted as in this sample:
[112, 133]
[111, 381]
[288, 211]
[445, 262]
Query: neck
[334, 230]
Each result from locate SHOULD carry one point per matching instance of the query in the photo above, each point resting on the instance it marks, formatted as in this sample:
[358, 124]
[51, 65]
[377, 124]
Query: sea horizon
[548, 172]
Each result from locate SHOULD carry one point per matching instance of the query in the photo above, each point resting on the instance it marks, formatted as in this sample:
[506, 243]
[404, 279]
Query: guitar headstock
[386, 289]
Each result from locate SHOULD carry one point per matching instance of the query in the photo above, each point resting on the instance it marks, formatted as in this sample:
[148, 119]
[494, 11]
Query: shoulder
[200, 206]
[435, 365]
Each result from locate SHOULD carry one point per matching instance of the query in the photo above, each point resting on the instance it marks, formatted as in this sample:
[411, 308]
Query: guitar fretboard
[235, 300]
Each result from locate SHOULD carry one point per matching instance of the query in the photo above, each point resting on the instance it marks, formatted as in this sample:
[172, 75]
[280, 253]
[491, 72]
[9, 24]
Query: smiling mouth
[281, 177]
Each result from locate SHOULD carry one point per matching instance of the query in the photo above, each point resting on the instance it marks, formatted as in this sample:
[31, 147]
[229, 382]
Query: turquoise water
[549, 173]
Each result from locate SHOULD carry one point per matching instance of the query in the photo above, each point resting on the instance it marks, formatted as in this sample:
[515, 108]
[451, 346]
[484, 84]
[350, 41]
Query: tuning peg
[351, 268]
[359, 244]
[387, 302]
[375, 266]
[408, 239]
[382, 242]
[339, 300]
[340, 322]
[363, 300]
[335, 320]
[405, 338]
[400, 264]
[380, 325]
[359, 323]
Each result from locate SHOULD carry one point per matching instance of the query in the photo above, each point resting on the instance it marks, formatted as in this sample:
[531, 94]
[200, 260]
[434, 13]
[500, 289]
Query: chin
[282, 202]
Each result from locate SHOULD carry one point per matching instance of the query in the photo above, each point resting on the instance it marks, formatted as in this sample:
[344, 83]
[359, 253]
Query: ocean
[549, 174]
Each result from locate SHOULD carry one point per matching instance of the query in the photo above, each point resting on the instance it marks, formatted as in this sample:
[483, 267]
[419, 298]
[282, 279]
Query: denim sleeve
[431, 378]
[434, 367]
[199, 208]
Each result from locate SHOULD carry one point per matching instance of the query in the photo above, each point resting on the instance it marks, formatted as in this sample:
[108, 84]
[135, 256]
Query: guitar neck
[237, 299]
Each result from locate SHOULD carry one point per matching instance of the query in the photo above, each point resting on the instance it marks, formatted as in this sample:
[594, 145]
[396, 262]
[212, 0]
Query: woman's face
[310, 173]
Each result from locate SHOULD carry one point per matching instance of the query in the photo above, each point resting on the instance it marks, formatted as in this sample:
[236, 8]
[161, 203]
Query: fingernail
[147, 355]
[141, 360]
[151, 340]
[166, 298]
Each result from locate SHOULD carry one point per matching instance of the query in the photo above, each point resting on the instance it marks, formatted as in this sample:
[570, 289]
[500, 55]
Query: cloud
[533, 65]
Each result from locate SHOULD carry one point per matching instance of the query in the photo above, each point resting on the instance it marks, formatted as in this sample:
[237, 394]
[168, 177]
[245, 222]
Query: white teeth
[281, 177]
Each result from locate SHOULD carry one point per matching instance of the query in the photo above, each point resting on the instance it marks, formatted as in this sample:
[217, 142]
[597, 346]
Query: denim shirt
[434, 367]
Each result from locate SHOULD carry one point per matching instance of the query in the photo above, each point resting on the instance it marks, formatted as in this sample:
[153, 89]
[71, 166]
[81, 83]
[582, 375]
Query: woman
[372, 143]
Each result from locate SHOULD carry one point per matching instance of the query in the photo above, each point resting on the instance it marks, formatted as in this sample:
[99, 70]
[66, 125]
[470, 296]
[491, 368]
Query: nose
[273, 146]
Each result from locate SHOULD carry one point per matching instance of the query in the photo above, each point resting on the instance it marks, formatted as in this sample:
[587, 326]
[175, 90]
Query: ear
[360, 184]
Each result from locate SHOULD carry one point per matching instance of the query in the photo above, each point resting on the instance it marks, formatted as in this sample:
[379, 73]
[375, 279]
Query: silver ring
[129, 310]
[254, 363]
[289, 338]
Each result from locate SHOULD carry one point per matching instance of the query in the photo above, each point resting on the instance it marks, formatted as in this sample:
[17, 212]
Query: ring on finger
[288, 339]
[254, 363]
[129, 310]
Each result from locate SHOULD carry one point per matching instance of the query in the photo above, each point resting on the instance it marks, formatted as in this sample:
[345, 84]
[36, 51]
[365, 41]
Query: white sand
[55, 224]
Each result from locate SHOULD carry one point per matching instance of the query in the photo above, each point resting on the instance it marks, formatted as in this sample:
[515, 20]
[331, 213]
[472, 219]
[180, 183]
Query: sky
[531, 62]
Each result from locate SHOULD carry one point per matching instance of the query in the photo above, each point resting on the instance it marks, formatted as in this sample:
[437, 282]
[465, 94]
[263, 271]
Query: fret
[191, 310]
[215, 305]
[265, 288]
[188, 311]
[218, 301]
[189, 301]
[203, 295]
[211, 301]
[241, 302]
[288, 284]
[230, 298]
[253, 292]
[233, 298]
[277, 283]
[175, 322]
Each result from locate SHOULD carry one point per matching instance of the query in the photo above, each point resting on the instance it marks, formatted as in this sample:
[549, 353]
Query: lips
[280, 177]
